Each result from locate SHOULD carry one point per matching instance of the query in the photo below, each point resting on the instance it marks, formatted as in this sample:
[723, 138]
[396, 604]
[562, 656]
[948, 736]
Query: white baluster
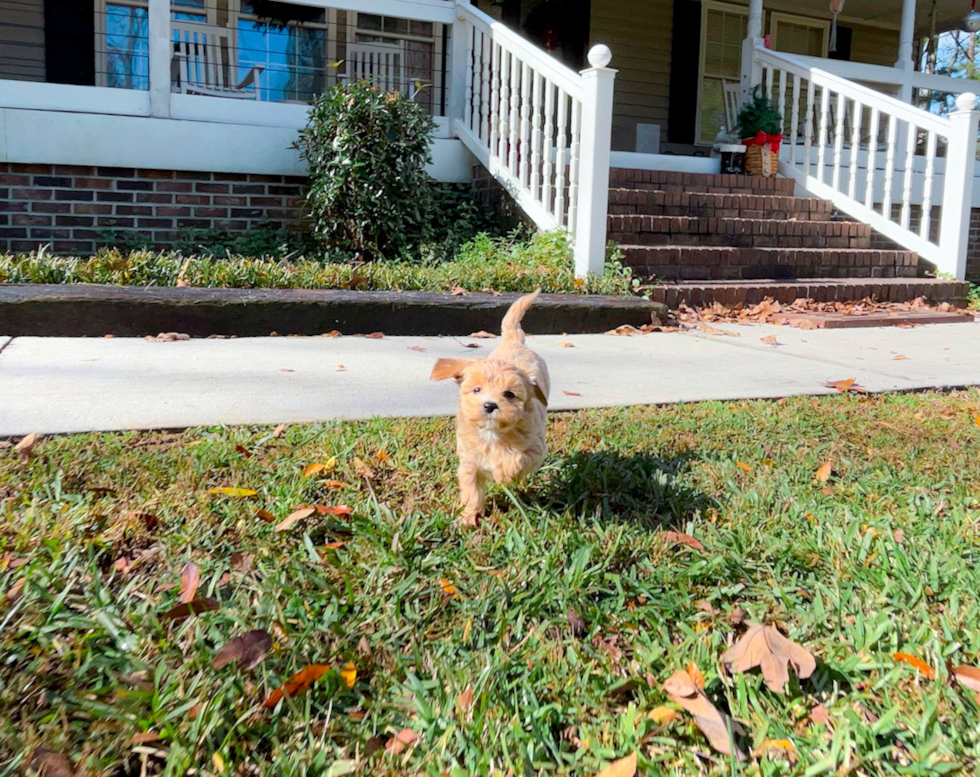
[535, 174]
[549, 146]
[855, 148]
[470, 78]
[886, 202]
[808, 126]
[924, 227]
[561, 162]
[485, 48]
[495, 52]
[574, 162]
[504, 104]
[869, 191]
[912, 136]
[525, 141]
[838, 141]
[515, 116]
[782, 99]
[794, 126]
[822, 147]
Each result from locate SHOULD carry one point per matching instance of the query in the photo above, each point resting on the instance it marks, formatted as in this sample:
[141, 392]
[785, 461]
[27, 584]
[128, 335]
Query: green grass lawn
[560, 618]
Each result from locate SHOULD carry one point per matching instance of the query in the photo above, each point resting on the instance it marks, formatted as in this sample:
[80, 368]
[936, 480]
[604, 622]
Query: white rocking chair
[382, 64]
[205, 62]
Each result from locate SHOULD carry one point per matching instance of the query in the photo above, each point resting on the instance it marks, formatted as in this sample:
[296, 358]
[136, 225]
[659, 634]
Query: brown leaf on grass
[705, 606]
[184, 611]
[248, 650]
[576, 623]
[714, 724]
[142, 738]
[769, 340]
[663, 715]
[624, 767]
[190, 579]
[25, 448]
[777, 749]
[277, 432]
[823, 473]
[230, 491]
[977, 419]
[244, 451]
[266, 516]
[363, 469]
[297, 684]
[295, 517]
[827, 491]
[374, 336]
[484, 335]
[764, 647]
[15, 591]
[312, 469]
[682, 539]
[743, 466]
[917, 663]
[571, 393]
[333, 545]
[968, 676]
[404, 738]
[48, 763]
[334, 485]
[349, 674]
[447, 588]
[342, 511]
[241, 561]
[820, 714]
[710, 330]
[373, 745]
[697, 677]
[464, 702]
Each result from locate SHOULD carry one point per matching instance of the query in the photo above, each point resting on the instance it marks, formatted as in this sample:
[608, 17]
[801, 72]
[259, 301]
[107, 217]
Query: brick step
[702, 293]
[676, 263]
[697, 182]
[714, 205]
[737, 232]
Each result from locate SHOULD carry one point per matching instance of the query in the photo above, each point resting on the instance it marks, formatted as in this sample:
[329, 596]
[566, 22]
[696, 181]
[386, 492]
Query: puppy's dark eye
[476, 390]
[509, 394]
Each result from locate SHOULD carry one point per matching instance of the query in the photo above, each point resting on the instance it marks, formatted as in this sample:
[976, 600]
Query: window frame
[706, 7]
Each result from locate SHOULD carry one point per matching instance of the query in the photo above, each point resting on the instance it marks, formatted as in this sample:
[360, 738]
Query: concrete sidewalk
[52, 385]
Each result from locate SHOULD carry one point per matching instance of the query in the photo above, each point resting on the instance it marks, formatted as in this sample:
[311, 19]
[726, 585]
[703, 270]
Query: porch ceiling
[948, 12]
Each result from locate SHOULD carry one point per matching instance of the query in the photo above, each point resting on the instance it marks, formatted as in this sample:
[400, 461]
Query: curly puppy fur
[502, 412]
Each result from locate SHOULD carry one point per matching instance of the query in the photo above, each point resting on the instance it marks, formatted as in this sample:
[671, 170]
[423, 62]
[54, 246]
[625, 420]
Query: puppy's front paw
[470, 519]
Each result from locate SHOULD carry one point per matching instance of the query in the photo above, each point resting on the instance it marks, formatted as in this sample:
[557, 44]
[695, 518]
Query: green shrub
[759, 115]
[367, 150]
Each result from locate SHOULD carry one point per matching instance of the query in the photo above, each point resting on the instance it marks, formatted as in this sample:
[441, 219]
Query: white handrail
[541, 129]
[914, 143]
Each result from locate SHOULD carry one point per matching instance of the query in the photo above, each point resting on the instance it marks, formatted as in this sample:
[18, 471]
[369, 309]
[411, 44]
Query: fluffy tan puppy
[503, 405]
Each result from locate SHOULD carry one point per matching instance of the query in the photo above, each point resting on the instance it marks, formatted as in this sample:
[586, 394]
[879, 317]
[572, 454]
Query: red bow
[762, 139]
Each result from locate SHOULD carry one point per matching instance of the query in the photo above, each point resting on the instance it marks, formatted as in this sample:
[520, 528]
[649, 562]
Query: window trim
[706, 6]
[823, 25]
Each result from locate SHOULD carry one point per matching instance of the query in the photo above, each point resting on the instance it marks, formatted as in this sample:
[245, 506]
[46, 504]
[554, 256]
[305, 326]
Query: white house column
[160, 54]
[751, 72]
[906, 46]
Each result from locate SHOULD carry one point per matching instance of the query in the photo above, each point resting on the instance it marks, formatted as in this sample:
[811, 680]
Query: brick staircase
[740, 238]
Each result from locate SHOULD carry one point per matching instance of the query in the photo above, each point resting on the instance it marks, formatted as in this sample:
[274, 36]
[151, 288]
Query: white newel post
[596, 147]
[459, 68]
[160, 54]
[961, 162]
[751, 71]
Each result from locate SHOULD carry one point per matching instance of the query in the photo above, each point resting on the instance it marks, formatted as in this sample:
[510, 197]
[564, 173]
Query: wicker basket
[760, 160]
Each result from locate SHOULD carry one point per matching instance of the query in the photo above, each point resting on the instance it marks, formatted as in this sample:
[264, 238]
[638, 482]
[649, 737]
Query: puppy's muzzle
[490, 407]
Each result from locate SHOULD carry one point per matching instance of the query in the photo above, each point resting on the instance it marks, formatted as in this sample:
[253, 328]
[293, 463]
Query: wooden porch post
[160, 54]
[751, 72]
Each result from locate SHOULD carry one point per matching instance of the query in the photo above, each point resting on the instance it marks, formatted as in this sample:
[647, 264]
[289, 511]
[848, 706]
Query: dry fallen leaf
[244, 451]
[248, 650]
[297, 684]
[921, 666]
[900, 357]
[823, 474]
[349, 674]
[190, 579]
[571, 393]
[25, 448]
[663, 715]
[142, 738]
[400, 741]
[848, 384]
[48, 763]
[484, 335]
[710, 330]
[363, 469]
[331, 333]
[168, 337]
[418, 348]
[16, 590]
[968, 676]
[765, 647]
[696, 675]
[184, 611]
[464, 702]
[743, 466]
[624, 767]
[374, 336]
[266, 516]
[626, 330]
[682, 539]
[565, 344]
[715, 724]
[776, 749]
[342, 511]
[277, 432]
[334, 485]
[576, 623]
[228, 491]
[448, 589]
[333, 545]
[295, 517]
[312, 469]
[820, 714]
[769, 340]
[459, 291]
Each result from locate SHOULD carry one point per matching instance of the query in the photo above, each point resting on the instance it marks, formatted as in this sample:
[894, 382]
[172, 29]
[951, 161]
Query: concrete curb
[89, 310]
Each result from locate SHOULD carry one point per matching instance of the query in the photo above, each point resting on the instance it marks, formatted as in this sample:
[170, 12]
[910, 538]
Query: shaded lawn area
[881, 558]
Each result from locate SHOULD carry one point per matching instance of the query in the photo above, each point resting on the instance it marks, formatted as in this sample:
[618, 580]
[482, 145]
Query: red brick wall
[74, 208]
[973, 252]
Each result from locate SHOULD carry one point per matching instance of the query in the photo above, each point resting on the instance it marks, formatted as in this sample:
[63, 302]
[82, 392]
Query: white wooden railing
[872, 155]
[541, 129]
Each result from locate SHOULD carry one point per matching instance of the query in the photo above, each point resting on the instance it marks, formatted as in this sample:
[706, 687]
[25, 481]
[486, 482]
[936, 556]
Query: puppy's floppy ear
[539, 393]
[449, 368]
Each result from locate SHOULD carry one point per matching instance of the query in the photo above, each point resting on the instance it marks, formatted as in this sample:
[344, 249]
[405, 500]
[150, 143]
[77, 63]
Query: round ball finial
[600, 55]
[971, 22]
[966, 102]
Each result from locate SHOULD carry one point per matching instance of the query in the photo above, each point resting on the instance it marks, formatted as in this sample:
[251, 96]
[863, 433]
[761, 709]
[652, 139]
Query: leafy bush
[367, 150]
[759, 115]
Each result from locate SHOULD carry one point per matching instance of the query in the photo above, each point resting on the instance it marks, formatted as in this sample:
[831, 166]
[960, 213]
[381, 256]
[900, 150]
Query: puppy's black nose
[490, 406]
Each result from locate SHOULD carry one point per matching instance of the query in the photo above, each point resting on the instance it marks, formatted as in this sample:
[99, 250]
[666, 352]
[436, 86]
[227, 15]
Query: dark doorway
[69, 41]
[561, 27]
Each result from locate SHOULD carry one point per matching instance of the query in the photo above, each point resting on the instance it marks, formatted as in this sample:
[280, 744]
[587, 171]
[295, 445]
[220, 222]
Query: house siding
[22, 40]
[874, 45]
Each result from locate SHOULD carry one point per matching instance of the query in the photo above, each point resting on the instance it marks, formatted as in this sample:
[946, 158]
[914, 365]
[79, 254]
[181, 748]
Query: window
[799, 35]
[723, 28]
[294, 59]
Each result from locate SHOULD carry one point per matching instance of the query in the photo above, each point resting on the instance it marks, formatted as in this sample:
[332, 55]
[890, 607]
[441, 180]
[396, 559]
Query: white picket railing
[541, 129]
[871, 155]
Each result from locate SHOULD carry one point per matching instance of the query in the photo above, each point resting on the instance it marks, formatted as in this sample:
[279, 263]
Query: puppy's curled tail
[510, 327]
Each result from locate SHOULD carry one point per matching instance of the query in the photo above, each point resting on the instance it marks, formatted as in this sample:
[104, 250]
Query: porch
[220, 86]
